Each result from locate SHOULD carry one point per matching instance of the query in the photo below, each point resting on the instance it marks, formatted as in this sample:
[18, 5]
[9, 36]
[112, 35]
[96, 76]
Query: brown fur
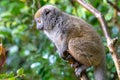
[73, 34]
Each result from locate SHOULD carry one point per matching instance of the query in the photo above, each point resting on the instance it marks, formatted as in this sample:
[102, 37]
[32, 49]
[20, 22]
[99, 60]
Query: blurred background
[31, 56]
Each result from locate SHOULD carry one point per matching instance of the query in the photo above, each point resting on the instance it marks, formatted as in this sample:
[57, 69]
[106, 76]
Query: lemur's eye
[38, 21]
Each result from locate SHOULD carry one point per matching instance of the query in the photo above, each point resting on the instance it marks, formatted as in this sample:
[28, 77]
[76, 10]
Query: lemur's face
[44, 17]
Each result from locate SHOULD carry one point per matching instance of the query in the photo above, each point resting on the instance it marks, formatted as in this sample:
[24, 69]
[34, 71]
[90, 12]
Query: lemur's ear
[47, 11]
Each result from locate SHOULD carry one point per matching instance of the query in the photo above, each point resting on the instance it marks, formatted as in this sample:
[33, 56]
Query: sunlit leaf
[20, 71]
[23, 0]
[13, 78]
[5, 14]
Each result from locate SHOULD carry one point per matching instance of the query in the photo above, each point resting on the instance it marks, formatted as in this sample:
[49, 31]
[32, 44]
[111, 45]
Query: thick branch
[110, 42]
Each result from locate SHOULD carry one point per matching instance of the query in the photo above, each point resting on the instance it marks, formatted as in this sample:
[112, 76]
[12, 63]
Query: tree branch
[38, 4]
[110, 42]
[113, 5]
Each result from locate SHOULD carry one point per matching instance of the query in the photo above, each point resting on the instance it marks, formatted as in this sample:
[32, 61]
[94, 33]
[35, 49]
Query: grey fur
[70, 33]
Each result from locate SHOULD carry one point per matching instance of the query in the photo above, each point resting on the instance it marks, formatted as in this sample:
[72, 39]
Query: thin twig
[115, 17]
[38, 4]
[110, 42]
[116, 12]
[113, 5]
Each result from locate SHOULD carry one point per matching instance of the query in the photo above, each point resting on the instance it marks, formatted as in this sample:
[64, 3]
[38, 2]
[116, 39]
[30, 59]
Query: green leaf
[3, 76]
[20, 72]
[11, 74]
[13, 78]
[109, 15]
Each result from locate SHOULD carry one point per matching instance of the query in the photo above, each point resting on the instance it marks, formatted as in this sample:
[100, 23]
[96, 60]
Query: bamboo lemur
[74, 39]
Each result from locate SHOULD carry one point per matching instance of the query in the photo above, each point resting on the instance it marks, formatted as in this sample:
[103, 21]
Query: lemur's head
[46, 17]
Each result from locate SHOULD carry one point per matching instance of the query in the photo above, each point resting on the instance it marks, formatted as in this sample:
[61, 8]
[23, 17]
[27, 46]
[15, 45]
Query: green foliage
[12, 76]
[31, 49]
[20, 71]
